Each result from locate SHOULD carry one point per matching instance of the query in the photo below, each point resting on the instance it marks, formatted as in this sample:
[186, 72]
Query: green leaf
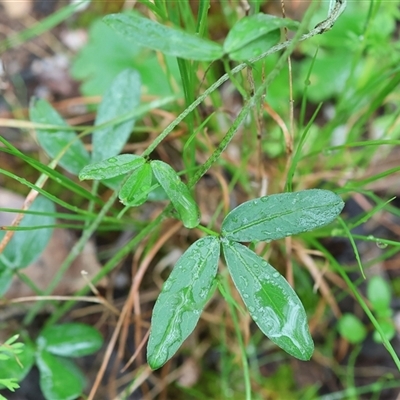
[54, 141]
[9, 384]
[253, 35]
[59, 377]
[389, 330]
[114, 166]
[13, 370]
[26, 245]
[107, 54]
[70, 340]
[183, 297]
[280, 215]
[177, 192]
[170, 41]
[6, 274]
[271, 301]
[352, 329]
[135, 190]
[123, 96]
[379, 293]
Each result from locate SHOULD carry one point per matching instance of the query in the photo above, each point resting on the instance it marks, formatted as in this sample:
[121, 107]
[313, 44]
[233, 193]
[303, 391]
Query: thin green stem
[360, 300]
[245, 363]
[320, 28]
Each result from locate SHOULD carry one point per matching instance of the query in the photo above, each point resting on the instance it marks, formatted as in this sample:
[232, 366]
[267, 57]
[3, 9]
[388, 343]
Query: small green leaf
[352, 329]
[389, 330]
[183, 297]
[255, 34]
[70, 340]
[271, 301]
[27, 245]
[151, 34]
[379, 293]
[178, 193]
[280, 215]
[54, 141]
[122, 96]
[114, 166]
[10, 368]
[59, 377]
[135, 190]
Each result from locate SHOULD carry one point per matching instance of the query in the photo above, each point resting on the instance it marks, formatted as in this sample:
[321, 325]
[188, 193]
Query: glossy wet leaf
[144, 32]
[12, 369]
[113, 166]
[59, 377]
[280, 215]
[135, 190]
[122, 96]
[26, 246]
[182, 299]
[70, 340]
[178, 193]
[255, 34]
[54, 141]
[271, 301]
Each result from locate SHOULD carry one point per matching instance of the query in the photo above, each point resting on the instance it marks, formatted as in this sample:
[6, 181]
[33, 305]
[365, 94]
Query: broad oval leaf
[59, 377]
[135, 190]
[55, 141]
[379, 293]
[255, 34]
[113, 166]
[122, 96]
[70, 340]
[178, 193]
[168, 40]
[271, 301]
[352, 329]
[26, 246]
[280, 215]
[183, 297]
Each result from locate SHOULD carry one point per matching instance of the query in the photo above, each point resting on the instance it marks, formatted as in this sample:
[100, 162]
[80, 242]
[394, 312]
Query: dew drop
[381, 245]
[245, 295]
[251, 309]
[113, 160]
[275, 275]
[371, 237]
